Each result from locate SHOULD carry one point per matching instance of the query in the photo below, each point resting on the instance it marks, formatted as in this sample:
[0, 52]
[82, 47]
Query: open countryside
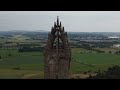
[21, 54]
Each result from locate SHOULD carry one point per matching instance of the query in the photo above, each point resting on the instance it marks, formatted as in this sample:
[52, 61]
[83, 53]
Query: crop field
[30, 64]
[82, 62]
[20, 63]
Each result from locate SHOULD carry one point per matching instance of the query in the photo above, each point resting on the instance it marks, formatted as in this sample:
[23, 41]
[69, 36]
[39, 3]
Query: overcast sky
[80, 21]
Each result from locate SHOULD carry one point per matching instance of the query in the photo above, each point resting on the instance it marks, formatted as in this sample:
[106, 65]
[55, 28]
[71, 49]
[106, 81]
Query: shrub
[9, 54]
[30, 49]
[110, 73]
[110, 52]
[17, 68]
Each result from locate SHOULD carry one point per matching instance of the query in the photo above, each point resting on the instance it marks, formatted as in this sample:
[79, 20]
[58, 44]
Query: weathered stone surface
[57, 54]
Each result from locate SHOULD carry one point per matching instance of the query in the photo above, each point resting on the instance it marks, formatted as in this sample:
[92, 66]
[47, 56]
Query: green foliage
[29, 49]
[9, 54]
[117, 52]
[110, 52]
[17, 68]
[110, 73]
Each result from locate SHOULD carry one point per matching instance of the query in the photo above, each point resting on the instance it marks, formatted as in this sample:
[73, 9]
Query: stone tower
[57, 54]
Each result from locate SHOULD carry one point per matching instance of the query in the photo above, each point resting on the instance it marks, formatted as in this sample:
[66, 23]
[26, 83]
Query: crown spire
[57, 20]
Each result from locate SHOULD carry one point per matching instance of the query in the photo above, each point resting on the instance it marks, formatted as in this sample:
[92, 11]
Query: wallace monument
[57, 53]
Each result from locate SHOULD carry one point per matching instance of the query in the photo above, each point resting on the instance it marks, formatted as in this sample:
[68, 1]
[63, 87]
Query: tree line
[30, 49]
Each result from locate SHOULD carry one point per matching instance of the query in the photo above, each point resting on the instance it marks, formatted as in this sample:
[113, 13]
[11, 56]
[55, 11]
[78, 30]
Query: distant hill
[24, 31]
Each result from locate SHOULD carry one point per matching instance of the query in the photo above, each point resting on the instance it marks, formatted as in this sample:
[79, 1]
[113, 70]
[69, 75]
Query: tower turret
[57, 54]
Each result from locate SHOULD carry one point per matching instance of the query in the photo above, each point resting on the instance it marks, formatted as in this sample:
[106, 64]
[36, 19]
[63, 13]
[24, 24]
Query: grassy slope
[18, 74]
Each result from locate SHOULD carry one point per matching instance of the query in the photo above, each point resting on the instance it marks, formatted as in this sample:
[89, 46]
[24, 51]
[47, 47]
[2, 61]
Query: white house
[116, 46]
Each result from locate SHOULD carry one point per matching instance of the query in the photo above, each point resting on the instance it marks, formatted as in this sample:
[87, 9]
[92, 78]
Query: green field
[97, 60]
[26, 64]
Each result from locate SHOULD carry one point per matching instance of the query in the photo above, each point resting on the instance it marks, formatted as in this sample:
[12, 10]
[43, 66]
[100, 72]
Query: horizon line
[65, 31]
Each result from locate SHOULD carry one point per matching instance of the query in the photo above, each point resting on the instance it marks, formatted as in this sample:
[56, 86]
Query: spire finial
[57, 17]
[57, 20]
